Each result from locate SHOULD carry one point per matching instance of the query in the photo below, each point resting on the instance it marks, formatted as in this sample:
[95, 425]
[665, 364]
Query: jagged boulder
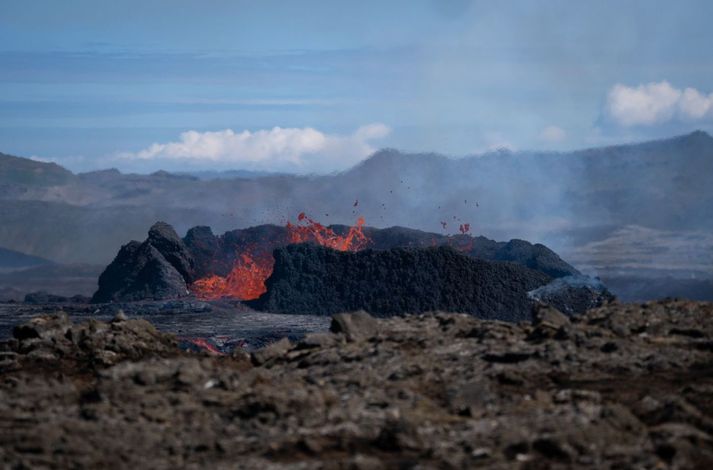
[139, 272]
[165, 239]
[311, 279]
[160, 268]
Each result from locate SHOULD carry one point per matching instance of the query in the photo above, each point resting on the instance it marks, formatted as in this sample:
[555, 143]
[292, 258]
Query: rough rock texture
[537, 256]
[139, 272]
[317, 280]
[215, 254]
[204, 247]
[573, 294]
[201, 253]
[159, 268]
[165, 239]
[354, 326]
[623, 386]
[54, 341]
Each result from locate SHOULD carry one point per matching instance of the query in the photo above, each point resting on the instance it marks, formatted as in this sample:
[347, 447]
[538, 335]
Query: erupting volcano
[246, 280]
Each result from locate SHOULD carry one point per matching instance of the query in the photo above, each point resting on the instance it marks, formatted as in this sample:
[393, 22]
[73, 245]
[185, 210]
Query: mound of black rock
[314, 279]
[404, 270]
[215, 254]
[159, 268]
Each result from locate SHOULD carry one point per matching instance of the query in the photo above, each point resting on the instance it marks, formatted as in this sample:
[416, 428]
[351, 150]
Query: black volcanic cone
[310, 279]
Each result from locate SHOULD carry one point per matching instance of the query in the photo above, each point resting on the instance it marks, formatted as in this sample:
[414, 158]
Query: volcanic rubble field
[620, 386]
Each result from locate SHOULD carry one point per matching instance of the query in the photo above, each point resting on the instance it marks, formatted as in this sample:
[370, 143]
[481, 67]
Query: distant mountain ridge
[11, 259]
[553, 197]
[18, 170]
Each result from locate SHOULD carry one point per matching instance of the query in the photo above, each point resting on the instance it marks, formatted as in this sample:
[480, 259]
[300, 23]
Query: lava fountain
[252, 267]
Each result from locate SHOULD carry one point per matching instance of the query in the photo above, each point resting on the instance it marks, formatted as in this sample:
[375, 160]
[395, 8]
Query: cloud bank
[656, 103]
[300, 150]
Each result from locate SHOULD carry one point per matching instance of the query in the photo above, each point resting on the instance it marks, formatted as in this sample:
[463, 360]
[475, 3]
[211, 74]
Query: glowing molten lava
[312, 231]
[246, 280]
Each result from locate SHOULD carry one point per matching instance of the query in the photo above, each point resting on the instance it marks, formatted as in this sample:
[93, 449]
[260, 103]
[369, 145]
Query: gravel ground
[623, 386]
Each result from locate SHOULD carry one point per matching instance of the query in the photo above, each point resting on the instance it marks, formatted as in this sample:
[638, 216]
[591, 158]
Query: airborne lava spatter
[246, 280]
[313, 231]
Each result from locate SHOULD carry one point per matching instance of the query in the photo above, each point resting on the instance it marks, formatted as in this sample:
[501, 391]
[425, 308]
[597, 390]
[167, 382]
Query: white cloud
[696, 105]
[655, 103]
[278, 149]
[553, 134]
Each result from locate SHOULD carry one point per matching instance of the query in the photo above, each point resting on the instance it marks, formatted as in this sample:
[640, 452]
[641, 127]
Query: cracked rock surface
[622, 386]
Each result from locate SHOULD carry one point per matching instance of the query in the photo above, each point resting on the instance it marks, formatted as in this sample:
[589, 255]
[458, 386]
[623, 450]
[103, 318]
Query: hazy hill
[11, 259]
[22, 171]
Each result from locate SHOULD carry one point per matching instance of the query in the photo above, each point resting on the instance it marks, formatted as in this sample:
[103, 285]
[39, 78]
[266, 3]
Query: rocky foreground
[625, 386]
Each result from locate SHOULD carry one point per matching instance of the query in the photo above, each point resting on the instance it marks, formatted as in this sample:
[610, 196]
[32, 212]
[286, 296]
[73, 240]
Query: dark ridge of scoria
[164, 265]
[311, 279]
[215, 254]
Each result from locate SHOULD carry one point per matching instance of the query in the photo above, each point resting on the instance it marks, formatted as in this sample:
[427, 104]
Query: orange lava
[246, 280]
[312, 231]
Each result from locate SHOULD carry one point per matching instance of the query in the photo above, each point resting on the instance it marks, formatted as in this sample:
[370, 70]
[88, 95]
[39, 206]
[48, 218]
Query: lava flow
[246, 280]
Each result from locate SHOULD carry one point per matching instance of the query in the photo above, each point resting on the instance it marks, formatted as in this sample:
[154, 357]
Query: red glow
[204, 345]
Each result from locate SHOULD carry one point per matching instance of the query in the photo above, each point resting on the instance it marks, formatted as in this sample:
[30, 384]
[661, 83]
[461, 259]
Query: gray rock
[139, 272]
[427, 391]
[165, 239]
[44, 328]
[272, 351]
[549, 317]
[317, 340]
[355, 326]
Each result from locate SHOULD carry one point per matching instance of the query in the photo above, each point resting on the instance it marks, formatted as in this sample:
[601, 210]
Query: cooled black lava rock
[311, 279]
[139, 272]
[215, 254]
[537, 257]
[202, 253]
[573, 294]
[203, 246]
[165, 239]
[534, 256]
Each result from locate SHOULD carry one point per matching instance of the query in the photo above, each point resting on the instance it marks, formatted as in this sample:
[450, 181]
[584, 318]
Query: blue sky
[313, 86]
